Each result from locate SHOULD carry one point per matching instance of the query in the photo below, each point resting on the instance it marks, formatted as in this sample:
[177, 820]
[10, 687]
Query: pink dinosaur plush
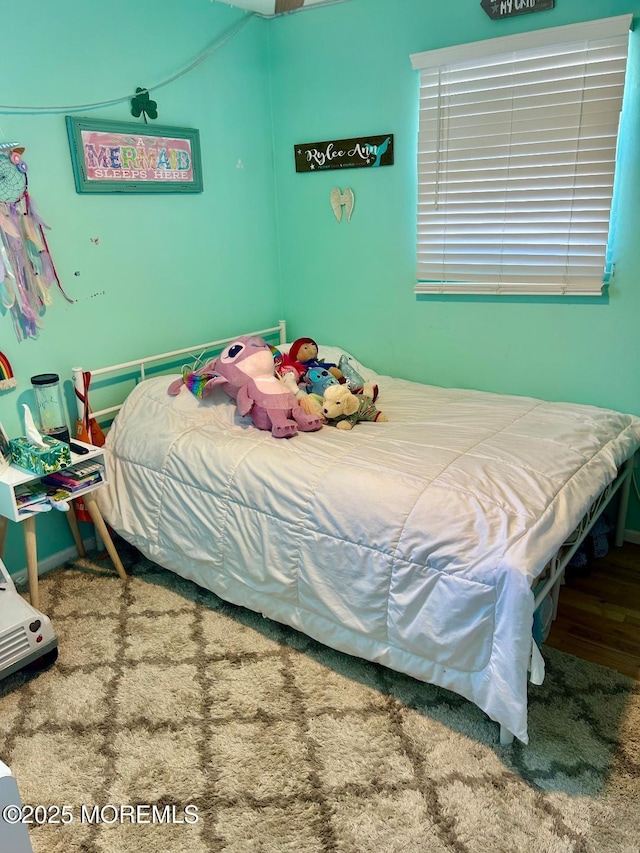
[245, 370]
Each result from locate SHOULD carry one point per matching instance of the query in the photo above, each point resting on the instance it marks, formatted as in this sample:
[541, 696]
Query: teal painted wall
[344, 71]
[168, 270]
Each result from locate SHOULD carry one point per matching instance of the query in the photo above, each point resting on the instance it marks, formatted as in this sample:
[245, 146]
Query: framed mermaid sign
[124, 157]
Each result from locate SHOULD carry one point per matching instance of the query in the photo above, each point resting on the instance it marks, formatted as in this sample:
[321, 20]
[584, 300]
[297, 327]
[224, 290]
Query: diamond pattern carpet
[165, 696]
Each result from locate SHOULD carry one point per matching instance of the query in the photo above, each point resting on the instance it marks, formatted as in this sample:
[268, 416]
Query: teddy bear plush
[343, 409]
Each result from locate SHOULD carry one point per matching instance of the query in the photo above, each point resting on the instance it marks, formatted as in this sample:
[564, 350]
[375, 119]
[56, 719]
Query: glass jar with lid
[49, 405]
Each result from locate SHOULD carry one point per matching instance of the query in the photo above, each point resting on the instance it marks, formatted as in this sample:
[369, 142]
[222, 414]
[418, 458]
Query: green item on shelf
[40, 460]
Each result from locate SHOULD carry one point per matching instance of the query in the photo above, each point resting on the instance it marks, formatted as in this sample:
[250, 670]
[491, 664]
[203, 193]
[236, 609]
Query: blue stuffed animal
[317, 379]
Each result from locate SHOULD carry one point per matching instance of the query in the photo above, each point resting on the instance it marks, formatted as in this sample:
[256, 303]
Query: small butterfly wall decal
[142, 105]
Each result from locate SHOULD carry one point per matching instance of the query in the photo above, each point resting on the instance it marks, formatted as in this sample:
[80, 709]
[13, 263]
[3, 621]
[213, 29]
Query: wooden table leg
[4, 523]
[96, 516]
[29, 527]
[75, 530]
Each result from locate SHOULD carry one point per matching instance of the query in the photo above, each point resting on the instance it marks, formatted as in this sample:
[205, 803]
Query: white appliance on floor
[26, 634]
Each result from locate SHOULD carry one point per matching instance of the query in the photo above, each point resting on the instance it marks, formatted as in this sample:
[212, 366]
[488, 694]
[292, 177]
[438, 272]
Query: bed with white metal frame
[547, 584]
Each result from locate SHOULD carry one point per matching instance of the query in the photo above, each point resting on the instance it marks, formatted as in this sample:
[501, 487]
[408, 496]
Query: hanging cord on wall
[232, 31]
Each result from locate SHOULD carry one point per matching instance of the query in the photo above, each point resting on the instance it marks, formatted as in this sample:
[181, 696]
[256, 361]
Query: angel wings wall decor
[340, 199]
[26, 267]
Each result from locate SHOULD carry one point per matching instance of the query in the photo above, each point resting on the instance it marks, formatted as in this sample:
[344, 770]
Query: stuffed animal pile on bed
[245, 371]
[288, 392]
[314, 375]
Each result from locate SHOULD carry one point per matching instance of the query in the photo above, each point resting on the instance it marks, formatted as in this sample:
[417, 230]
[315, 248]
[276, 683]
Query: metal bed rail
[555, 569]
[141, 364]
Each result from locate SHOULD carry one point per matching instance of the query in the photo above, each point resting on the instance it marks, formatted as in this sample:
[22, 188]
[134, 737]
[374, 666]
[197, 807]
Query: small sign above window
[360, 152]
[497, 9]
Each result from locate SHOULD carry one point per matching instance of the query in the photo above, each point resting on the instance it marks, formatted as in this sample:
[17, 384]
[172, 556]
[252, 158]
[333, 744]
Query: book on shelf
[63, 480]
[82, 469]
[27, 494]
[36, 497]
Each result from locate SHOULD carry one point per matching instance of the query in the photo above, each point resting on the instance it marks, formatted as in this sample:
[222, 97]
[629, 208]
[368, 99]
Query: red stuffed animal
[305, 351]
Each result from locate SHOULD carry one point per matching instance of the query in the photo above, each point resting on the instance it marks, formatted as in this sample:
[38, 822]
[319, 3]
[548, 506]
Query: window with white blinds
[516, 160]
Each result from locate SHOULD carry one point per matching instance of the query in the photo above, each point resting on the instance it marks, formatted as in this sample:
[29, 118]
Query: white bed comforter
[413, 543]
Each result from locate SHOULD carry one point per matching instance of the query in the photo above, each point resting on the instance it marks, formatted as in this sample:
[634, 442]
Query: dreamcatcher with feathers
[26, 267]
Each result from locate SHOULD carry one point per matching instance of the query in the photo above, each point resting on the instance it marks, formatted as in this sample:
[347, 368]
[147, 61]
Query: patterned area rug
[174, 722]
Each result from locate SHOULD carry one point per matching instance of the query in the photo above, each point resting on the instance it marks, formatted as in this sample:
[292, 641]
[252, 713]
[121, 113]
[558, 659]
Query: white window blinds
[516, 158]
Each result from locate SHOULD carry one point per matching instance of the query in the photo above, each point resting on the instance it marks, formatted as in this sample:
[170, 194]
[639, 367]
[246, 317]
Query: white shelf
[16, 476]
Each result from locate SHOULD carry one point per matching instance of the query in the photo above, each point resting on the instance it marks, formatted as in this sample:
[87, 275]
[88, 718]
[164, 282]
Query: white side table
[15, 476]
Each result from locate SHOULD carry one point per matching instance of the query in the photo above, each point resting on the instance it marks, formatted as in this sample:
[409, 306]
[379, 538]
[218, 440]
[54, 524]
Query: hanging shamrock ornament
[143, 105]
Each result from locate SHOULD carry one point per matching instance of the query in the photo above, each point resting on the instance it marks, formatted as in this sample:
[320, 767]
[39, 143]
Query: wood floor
[599, 615]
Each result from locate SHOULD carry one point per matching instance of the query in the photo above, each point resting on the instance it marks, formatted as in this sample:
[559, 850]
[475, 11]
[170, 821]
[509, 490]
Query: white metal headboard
[143, 363]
